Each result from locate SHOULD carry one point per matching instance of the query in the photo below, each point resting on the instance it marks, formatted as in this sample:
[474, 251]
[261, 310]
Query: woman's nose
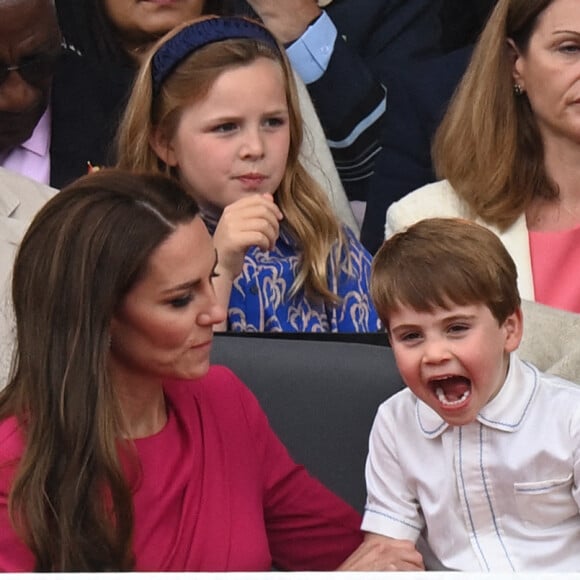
[212, 312]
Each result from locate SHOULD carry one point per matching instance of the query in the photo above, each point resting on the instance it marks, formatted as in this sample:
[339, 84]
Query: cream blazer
[551, 338]
[440, 200]
[20, 199]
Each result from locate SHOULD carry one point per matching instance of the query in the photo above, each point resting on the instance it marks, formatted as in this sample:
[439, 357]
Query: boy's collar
[505, 412]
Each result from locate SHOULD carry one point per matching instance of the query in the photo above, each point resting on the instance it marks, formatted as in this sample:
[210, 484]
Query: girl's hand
[250, 221]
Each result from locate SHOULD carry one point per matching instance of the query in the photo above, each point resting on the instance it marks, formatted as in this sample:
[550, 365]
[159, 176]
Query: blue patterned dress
[260, 300]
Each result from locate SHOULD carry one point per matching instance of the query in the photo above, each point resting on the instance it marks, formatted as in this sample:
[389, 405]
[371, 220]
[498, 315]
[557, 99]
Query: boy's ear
[163, 147]
[513, 327]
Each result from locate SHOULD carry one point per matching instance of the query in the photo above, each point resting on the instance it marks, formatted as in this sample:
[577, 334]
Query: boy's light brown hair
[442, 261]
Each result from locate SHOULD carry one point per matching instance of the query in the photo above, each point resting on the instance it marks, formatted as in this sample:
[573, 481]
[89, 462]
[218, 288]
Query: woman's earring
[518, 90]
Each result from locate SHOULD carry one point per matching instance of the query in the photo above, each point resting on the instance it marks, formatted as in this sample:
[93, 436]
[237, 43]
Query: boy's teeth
[443, 399]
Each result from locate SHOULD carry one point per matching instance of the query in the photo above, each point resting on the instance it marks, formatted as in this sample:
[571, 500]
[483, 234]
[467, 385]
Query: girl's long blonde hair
[308, 217]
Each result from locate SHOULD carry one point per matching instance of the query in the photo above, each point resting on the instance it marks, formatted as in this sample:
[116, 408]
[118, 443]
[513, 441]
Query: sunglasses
[34, 70]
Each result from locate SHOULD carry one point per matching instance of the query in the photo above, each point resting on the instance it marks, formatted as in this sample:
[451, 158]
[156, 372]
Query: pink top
[556, 268]
[217, 491]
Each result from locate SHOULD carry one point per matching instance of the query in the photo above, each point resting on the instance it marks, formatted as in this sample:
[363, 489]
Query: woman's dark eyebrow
[190, 283]
[184, 286]
[571, 32]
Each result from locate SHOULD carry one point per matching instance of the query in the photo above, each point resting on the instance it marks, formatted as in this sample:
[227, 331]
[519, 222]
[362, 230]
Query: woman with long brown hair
[120, 448]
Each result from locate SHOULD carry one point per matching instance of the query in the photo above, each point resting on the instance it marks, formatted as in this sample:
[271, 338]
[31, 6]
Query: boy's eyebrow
[400, 327]
[459, 316]
[446, 320]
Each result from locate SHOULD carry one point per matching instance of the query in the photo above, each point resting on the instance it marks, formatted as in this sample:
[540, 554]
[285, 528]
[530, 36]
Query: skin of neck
[563, 165]
[562, 162]
[142, 402]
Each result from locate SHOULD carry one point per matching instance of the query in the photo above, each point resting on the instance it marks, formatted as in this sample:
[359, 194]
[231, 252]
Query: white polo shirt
[498, 494]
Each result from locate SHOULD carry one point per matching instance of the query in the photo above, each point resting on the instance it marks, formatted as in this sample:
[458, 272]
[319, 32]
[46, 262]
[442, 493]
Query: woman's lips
[202, 345]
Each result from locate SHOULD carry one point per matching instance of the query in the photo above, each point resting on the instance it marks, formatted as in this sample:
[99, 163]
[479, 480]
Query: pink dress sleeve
[308, 526]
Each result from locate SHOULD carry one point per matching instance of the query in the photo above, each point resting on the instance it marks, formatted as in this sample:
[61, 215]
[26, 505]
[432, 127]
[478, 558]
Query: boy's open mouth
[451, 390]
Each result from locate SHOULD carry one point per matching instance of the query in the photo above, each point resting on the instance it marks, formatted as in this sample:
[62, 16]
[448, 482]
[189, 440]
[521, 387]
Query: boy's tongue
[453, 387]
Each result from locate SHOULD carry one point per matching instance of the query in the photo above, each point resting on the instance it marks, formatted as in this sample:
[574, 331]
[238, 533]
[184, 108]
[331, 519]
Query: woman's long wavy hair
[308, 217]
[489, 145]
[70, 499]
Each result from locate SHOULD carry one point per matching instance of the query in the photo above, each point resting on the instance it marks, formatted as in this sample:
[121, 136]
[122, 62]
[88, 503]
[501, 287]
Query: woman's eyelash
[181, 301]
[569, 48]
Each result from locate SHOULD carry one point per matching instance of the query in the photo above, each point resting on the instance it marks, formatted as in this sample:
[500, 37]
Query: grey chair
[320, 395]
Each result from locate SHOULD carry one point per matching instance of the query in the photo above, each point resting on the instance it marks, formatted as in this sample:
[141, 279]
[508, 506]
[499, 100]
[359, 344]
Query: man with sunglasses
[44, 130]
[29, 48]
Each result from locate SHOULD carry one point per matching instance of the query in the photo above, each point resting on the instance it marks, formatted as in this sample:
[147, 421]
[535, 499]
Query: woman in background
[509, 147]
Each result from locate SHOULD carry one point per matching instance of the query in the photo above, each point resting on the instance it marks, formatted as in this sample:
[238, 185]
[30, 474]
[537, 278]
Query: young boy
[481, 453]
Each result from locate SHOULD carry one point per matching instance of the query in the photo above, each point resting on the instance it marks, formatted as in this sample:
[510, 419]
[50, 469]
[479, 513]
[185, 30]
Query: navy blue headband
[194, 36]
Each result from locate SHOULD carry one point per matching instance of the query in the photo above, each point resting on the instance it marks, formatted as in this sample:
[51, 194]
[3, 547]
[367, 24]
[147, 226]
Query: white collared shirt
[500, 493]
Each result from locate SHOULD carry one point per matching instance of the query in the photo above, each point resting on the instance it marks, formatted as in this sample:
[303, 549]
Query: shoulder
[21, 197]
[554, 386]
[396, 420]
[389, 19]
[559, 400]
[437, 199]
[224, 402]
[551, 339]
[384, 31]
[403, 400]
[219, 388]
[396, 412]
[433, 199]
[553, 395]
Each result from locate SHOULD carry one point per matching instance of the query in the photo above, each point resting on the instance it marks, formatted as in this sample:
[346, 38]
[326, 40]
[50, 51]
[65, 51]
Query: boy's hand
[382, 553]
[250, 221]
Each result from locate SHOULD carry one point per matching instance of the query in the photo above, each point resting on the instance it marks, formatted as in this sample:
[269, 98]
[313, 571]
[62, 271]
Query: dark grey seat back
[321, 397]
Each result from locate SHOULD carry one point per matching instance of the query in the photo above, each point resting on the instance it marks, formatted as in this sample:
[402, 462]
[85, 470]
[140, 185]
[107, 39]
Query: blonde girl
[215, 105]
